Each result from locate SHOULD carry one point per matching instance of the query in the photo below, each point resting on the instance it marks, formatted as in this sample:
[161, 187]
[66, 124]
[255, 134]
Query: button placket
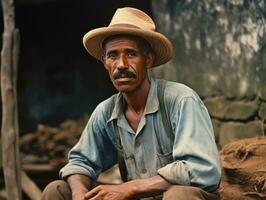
[139, 157]
[143, 171]
[137, 144]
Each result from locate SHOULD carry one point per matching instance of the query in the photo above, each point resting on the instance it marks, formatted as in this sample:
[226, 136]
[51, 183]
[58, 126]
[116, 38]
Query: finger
[98, 196]
[92, 192]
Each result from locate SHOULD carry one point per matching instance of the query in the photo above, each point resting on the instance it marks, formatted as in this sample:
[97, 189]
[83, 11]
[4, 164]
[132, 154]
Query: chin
[124, 89]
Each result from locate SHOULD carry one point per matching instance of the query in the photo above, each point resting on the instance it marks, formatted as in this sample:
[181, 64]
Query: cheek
[110, 72]
[109, 68]
[140, 70]
[137, 67]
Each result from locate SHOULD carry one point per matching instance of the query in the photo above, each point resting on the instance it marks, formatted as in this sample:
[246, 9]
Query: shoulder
[177, 92]
[104, 109]
[178, 96]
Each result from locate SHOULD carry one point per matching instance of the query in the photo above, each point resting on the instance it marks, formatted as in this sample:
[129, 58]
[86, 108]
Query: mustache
[123, 73]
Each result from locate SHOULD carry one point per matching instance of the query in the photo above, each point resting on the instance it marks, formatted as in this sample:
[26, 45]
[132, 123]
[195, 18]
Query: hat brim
[161, 46]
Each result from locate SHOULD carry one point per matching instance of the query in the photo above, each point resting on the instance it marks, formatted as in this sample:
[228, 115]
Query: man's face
[126, 63]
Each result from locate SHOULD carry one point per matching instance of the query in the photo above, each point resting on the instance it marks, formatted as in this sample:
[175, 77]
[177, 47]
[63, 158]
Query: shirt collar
[118, 107]
[152, 104]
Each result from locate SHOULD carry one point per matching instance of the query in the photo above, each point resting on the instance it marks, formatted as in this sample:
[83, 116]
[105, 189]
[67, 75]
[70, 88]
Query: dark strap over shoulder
[120, 160]
[165, 115]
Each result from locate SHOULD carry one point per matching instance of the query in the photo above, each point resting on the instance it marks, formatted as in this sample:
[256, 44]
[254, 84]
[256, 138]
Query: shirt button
[137, 144]
[143, 171]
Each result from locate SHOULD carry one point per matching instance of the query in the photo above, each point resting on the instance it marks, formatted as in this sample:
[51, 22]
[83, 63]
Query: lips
[124, 79]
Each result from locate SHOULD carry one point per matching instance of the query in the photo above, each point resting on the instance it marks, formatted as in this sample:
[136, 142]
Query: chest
[146, 151]
[133, 119]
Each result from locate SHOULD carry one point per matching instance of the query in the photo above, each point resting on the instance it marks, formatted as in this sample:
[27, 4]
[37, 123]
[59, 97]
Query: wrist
[79, 190]
[133, 188]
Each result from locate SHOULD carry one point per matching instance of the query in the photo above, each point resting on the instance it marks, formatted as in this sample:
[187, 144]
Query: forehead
[122, 40]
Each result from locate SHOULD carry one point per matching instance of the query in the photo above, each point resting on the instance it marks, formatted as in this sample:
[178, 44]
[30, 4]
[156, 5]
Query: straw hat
[130, 21]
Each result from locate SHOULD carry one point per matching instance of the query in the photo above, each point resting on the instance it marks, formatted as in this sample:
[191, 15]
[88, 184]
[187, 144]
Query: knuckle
[100, 187]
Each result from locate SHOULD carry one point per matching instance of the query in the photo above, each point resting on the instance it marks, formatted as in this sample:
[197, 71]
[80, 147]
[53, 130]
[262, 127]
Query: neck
[136, 100]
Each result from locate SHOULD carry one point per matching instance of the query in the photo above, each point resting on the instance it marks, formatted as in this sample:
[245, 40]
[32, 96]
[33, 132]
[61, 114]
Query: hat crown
[130, 21]
[134, 17]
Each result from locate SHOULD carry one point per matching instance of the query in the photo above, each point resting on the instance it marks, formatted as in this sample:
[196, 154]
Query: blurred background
[220, 52]
[58, 79]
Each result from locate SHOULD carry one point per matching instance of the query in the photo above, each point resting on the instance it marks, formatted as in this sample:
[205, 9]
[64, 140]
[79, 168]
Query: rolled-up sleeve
[94, 152]
[195, 155]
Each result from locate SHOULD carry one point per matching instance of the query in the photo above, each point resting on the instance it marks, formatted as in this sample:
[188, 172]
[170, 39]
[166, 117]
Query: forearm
[79, 183]
[146, 187]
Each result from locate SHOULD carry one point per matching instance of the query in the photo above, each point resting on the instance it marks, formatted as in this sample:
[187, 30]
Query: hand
[109, 192]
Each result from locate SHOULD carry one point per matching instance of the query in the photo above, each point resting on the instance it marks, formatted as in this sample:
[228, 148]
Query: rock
[72, 130]
[262, 92]
[59, 151]
[241, 110]
[28, 138]
[31, 158]
[217, 106]
[58, 156]
[60, 138]
[262, 111]
[232, 131]
[261, 81]
[51, 142]
[29, 143]
[222, 108]
[70, 126]
[50, 145]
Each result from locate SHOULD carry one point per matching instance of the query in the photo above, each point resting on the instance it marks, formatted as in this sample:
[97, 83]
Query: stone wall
[220, 49]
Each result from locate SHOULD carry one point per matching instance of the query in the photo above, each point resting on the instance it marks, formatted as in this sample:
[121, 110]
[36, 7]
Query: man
[182, 163]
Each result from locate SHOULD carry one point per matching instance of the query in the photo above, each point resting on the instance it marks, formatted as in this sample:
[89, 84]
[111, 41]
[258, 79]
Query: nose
[122, 62]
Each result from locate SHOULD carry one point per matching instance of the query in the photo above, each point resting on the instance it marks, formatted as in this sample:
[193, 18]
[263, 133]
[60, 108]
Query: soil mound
[244, 170]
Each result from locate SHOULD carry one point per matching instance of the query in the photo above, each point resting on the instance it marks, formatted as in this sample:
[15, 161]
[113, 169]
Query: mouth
[123, 79]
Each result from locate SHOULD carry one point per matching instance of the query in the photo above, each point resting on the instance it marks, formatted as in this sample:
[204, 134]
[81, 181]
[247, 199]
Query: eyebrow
[109, 52]
[126, 50]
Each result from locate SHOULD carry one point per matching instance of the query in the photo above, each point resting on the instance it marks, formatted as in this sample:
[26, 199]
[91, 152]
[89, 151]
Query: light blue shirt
[191, 159]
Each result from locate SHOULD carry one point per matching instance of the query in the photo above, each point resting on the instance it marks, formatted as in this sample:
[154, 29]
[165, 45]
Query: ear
[149, 60]
[103, 59]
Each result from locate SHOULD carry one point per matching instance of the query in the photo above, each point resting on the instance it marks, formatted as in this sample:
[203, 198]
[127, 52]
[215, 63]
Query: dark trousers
[59, 190]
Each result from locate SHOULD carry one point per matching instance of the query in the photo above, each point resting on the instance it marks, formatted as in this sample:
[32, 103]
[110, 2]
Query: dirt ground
[244, 170]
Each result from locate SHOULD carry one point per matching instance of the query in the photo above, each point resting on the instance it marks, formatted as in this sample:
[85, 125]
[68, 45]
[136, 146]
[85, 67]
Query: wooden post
[29, 187]
[10, 130]
[9, 134]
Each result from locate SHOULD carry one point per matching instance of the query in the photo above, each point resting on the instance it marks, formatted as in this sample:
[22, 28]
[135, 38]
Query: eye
[132, 54]
[111, 55]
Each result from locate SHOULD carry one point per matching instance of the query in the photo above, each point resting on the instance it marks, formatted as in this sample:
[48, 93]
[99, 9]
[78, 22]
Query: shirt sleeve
[196, 158]
[94, 153]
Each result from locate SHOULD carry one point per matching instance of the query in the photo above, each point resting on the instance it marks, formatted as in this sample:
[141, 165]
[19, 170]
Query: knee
[56, 190]
[183, 192]
[53, 186]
